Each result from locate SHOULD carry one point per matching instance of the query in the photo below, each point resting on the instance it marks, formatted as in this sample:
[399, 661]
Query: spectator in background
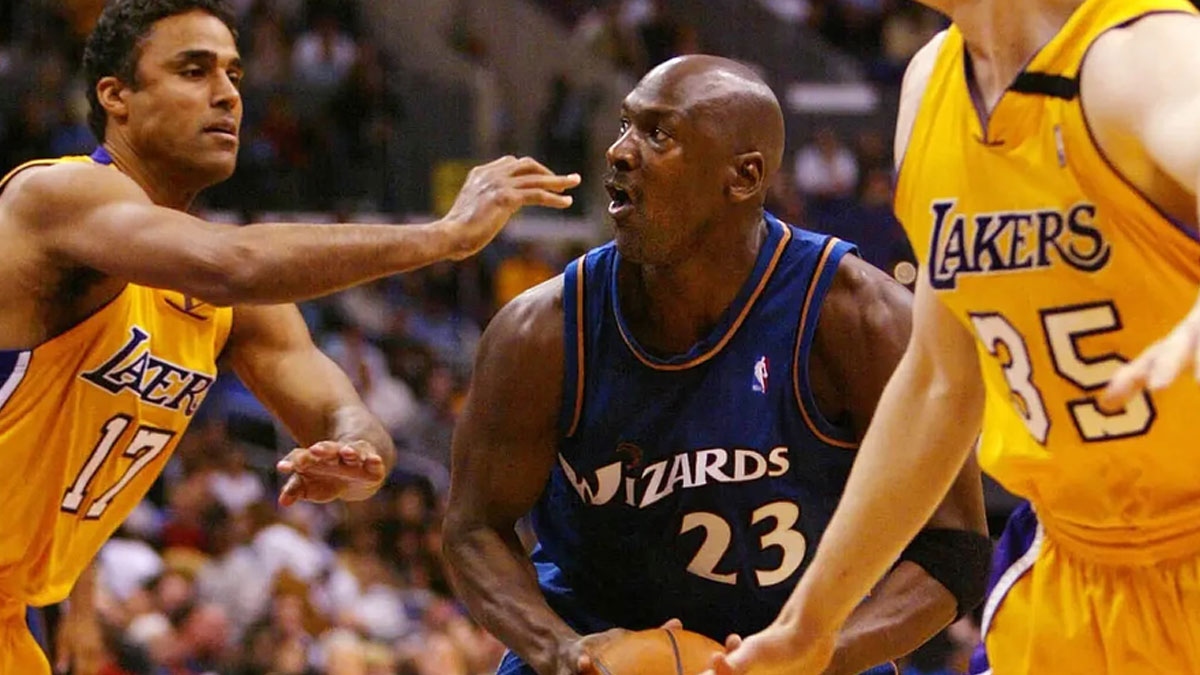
[870, 223]
[323, 56]
[519, 272]
[385, 395]
[564, 127]
[607, 36]
[826, 170]
[665, 36]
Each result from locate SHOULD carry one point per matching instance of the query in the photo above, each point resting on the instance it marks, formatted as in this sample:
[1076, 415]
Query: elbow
[230, 272]
[959, 560]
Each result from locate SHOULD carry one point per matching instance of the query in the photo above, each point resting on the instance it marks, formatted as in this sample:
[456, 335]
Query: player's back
[1063, 270]
[693, 486]
[87, 421]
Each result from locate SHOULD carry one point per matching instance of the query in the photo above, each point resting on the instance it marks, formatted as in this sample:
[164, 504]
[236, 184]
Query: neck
[1003, 35]
[672, 307]
[162, 180]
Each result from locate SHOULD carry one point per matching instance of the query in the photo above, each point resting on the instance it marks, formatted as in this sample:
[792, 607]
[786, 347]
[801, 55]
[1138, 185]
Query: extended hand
[777, 650]
[494, 192]
[331, 470]
[1159, 365]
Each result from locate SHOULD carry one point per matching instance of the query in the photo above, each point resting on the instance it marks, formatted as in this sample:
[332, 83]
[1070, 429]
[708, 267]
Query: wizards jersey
[1063, 271]
[695, 486]
[87, 422]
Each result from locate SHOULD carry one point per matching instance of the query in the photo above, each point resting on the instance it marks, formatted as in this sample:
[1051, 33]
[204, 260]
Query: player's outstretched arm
[94, 216]
[1154, 57]
[347, 453]
[917, 443]
[504, 448]
[864, 329]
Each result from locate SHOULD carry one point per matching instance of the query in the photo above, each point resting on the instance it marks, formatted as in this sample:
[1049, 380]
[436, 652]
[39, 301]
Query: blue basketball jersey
[695, 486]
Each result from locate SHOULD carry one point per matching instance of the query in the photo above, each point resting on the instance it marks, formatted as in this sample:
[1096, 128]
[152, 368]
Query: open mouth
[621, 201]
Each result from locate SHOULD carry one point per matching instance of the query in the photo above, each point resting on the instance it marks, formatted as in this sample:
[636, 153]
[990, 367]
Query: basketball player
[1051, 156]
[114, 303]
[679, 410]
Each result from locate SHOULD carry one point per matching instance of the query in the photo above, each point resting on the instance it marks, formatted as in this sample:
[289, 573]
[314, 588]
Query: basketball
[659, 651]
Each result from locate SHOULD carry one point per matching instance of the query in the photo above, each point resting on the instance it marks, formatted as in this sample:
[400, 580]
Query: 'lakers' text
[1009, 241]
[135, 368]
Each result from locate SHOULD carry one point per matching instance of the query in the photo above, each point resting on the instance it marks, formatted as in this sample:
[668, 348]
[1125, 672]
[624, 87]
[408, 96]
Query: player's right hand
[579, 654]
[1159, 365]
[494, 192]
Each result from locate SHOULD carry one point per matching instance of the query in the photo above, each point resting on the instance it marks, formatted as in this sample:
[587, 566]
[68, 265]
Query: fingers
[733, 642]
[672, 624]
[720, 666]
[529, 165]
[585, 665]
[554, 182]
[1173, 355]
[544, 198]
[356, 461]
[293, 491]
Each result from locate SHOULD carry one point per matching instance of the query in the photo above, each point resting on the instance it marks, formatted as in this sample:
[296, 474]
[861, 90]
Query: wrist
[562, 655]
[448, 240]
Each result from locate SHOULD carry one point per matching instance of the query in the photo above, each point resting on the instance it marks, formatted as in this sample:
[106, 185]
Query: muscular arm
[95, 217]
[864, 328]
[929, 415]
[504, 449]
[276, 359]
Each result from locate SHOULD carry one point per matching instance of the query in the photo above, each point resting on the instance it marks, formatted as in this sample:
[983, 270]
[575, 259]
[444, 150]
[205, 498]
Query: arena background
[373, 110]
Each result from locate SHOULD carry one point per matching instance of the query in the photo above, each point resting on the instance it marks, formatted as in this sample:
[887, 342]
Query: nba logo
[760, 375]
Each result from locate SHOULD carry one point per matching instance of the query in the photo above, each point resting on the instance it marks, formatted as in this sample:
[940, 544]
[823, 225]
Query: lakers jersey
[1063, 271]
[87, 421]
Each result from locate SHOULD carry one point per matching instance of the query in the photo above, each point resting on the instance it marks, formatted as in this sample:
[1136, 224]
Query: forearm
[905, 610]
[496, 581]
[886, 501]
[280, 263]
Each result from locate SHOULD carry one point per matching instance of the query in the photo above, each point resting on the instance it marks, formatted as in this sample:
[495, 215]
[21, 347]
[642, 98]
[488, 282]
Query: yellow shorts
[19, 652]
[1053, 611]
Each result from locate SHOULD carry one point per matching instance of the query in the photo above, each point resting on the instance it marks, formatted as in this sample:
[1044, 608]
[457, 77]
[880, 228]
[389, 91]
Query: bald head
[725, 96]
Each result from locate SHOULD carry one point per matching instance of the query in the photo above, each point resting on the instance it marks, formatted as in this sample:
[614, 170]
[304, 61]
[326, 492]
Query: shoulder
[1151, 56]
[528, 329]
[865, 305]
[52, 194]
[912, 90]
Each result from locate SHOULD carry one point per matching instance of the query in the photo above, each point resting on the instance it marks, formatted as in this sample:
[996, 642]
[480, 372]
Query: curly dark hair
[115, 44]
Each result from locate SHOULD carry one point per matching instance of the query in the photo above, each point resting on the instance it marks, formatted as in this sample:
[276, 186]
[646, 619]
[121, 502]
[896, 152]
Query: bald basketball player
[678, 411]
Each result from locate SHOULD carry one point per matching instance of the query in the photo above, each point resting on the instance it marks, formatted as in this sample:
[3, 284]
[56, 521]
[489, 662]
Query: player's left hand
[777, 650]
[331, 470]
[1160, 365]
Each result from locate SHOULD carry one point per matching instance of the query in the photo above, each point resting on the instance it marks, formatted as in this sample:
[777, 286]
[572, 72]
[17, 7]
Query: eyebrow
[658, 111]
[203, 56]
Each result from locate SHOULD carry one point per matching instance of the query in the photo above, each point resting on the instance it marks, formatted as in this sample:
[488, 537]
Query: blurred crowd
[209, 576]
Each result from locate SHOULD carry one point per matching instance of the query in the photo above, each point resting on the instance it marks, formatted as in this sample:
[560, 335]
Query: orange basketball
[659, 651]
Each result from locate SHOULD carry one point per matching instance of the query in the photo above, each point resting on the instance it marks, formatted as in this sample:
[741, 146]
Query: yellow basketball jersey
[87, 422]
[1063, 271]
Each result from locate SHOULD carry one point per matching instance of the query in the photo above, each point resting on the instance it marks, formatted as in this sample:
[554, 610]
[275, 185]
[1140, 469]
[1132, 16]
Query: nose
[622, 155]
[225, 93]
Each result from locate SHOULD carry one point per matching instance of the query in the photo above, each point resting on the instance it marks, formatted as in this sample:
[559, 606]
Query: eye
[624, 124]
[235, 77]
[658, 135]
[193, 73]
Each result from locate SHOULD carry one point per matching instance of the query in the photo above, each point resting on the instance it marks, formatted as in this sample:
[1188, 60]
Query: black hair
[115, 44]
